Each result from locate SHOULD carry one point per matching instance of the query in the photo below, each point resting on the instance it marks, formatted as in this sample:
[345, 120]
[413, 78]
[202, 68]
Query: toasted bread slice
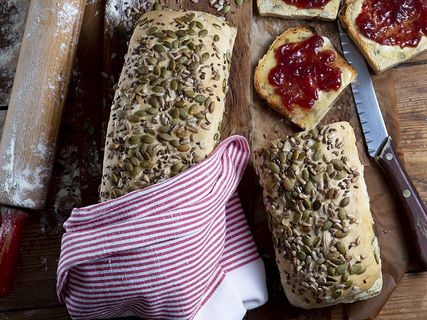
[380, 57]
[304, 118]
[279, 8]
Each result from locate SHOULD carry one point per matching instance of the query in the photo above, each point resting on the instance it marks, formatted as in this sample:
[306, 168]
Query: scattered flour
[19, 184]
[68, 195]
[43, 262]
[66, 16]
[21, 181]
[94, 166]
[13, 14]
[126, 13]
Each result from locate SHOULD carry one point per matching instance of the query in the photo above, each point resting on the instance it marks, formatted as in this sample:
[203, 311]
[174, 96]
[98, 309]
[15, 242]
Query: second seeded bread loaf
[168, 108]
[319, 214]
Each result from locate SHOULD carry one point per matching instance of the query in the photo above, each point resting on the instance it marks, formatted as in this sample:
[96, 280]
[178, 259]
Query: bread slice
[279, 8]
[318, 212]
[380, 57]
[304, 118]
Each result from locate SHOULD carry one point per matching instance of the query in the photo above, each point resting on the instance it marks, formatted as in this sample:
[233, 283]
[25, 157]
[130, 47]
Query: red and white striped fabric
[180, 249]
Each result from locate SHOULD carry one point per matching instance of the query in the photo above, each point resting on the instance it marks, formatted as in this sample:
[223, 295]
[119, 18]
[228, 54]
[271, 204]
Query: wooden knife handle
[12, 222]
[414, 207]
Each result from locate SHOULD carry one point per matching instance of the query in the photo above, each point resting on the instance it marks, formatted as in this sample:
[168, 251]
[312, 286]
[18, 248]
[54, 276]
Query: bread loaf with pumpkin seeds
[168, 107]
[319, 215]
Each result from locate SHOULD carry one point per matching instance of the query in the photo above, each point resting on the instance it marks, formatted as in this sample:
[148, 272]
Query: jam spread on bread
[302, 70]
[395, 23]
[308, 4]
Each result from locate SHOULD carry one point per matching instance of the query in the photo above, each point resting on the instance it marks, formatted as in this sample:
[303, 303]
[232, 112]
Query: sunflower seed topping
[170, 97]
[307, 179]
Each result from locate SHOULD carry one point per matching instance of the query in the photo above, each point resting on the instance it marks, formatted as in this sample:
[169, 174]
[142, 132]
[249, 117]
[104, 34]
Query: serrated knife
[380, 145]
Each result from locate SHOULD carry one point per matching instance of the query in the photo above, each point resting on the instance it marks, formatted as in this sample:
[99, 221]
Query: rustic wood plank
[56, 313]
[75, 168]
[421, 58]
[34, 285]
[34, 296]
[409, 301]
[410, 83]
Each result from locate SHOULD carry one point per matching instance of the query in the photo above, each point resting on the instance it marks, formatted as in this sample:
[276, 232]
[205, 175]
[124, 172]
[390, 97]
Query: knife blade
[368, 109]
[380, 147]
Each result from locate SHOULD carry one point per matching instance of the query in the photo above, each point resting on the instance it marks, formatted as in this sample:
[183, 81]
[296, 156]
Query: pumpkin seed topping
[308, 177]
[167, 102]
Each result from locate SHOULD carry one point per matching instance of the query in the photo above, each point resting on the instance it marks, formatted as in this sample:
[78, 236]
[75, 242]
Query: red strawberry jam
[303, 70]
[395, 23]
[307, 4]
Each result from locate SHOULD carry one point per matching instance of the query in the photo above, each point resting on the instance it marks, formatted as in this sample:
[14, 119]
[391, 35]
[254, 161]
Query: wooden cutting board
[247, 115]
[77, 172]
[268, 125]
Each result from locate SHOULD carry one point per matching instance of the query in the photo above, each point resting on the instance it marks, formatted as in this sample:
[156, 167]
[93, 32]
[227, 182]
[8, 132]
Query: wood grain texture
[38, 95]
[412, 100]
[421, 58]
[267, 125]
[409, 301]
[78, 152]
[34, 294]
[55, 313]
[410, 201]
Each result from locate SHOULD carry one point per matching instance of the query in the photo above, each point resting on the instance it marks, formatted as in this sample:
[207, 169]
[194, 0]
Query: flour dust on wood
[13, 14]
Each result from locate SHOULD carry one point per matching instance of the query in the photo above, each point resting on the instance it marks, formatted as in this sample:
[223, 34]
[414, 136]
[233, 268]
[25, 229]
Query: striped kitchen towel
[180, 249]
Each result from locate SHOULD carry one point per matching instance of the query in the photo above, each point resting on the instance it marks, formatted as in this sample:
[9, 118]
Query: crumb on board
[68, 195]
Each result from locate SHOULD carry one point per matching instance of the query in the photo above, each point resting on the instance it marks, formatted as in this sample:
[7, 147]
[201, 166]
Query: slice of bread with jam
[301, 76]
[386, 32]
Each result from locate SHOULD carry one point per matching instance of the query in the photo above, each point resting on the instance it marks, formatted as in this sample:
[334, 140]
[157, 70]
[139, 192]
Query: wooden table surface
[78, 168]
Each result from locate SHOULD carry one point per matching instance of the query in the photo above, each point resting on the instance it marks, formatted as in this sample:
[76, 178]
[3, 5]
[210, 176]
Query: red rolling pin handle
[12, 222]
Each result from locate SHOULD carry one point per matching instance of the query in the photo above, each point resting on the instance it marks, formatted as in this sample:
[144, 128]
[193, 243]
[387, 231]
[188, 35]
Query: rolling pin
[27, 146]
